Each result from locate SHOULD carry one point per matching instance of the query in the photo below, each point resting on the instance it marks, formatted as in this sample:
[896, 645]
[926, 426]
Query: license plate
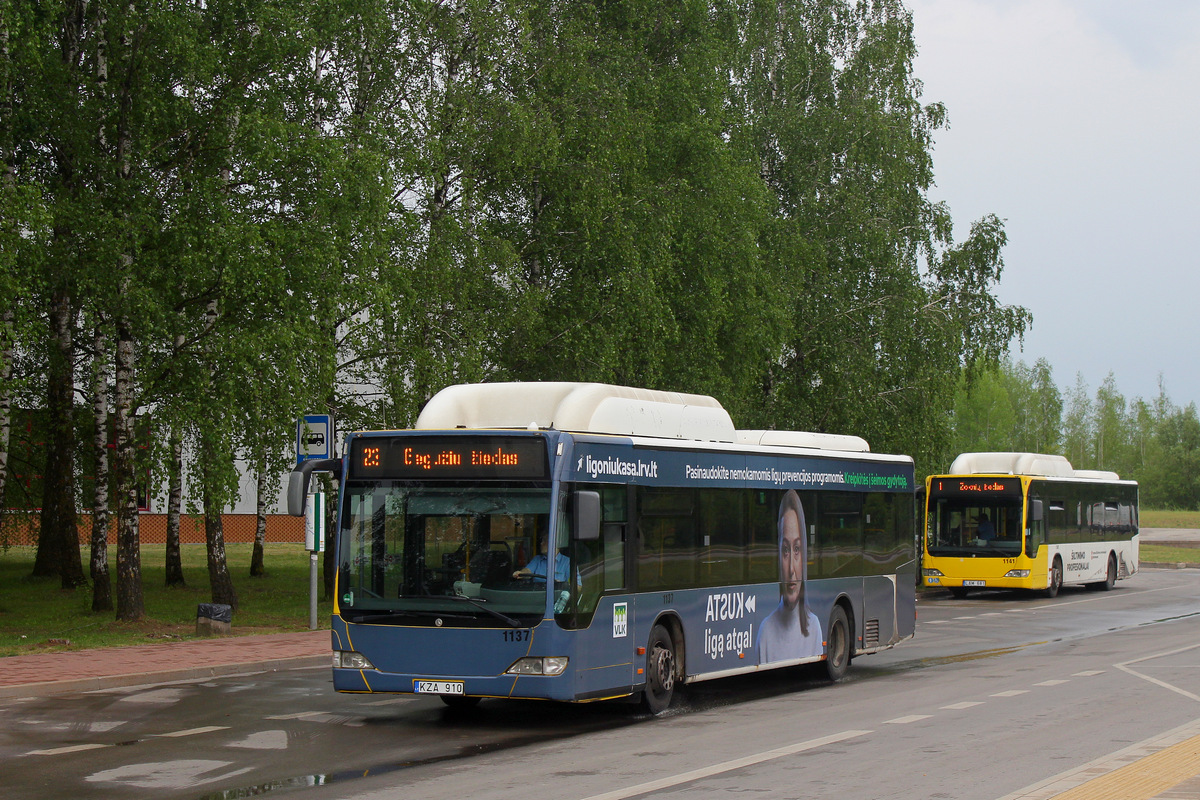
[438, 687]
[974, 583]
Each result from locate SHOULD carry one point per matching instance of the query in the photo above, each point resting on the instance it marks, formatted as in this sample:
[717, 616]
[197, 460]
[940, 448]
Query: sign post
[314, 541]
[314, 439]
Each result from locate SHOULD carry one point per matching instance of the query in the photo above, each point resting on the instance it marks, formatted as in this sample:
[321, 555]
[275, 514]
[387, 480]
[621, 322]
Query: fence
[19, 528]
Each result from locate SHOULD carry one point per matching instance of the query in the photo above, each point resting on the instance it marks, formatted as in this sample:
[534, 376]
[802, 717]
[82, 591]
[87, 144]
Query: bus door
[603, 613]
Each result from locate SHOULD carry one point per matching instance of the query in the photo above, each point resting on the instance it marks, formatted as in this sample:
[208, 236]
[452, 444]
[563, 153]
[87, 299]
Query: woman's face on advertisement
[791, 558]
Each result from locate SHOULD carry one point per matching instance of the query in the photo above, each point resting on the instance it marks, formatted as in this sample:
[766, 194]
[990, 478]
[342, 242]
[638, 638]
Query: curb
[1167, 565]
[162, 676]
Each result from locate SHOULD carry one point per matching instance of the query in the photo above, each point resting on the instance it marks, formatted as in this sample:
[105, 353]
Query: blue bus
[581, 542]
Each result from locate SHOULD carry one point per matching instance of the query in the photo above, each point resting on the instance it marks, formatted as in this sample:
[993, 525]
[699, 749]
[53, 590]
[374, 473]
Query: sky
[1077, 122]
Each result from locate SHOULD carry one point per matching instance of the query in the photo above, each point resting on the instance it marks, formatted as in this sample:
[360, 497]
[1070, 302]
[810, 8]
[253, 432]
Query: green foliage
[345, 205]
[1018, 408]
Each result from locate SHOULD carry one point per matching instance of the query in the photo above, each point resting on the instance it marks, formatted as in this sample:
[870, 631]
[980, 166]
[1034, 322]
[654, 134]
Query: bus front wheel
[837, 645]
[660, 671]
[1056, 578]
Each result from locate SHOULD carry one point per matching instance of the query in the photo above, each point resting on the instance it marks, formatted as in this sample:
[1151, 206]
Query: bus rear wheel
[837, 645]
[1056, 578]
[660, 671]
[1110, 579]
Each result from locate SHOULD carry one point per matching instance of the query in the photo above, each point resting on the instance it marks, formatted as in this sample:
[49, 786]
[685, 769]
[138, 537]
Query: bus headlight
[549, 665]
[931, 573]
[348, 659]
[1017, 573]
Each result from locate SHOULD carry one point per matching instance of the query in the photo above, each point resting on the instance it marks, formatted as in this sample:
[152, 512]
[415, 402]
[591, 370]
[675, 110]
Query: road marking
[1055, 682]
[725, 766]
[192, 731]
[300, 715]
[961, 706]
[58, 751]
[1124, 667]
[1087, 673]
[908, 719]
[1011, 693]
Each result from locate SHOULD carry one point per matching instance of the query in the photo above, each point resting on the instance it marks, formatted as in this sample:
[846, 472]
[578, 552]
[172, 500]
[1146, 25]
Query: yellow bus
[1027, 521]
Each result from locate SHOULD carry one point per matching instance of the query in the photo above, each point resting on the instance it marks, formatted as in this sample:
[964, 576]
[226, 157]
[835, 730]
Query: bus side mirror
[298, 481]
[587, 516]
[1035, 510]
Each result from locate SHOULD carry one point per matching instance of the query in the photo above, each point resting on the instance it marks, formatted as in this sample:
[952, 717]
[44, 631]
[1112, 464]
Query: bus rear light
[348, 659]
[549, 665]
[1017, 573]
[931, 573]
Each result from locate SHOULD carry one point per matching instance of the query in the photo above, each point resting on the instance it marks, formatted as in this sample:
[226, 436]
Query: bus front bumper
[547, 687]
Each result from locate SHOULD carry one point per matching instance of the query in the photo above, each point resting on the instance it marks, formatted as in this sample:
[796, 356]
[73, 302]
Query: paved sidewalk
[86, 670]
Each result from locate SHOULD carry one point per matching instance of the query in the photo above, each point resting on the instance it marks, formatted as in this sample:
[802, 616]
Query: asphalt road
[997, 695]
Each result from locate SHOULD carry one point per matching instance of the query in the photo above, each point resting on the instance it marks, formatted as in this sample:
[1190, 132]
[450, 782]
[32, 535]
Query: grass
[1169, 554]
[1168, 519]
[36, 615]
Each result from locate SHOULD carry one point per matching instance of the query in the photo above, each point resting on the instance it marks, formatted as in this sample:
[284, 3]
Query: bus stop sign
[314, 435]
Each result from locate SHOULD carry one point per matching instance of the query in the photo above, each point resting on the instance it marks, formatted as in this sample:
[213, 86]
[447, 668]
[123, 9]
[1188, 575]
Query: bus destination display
[448, 457]
[972, 485]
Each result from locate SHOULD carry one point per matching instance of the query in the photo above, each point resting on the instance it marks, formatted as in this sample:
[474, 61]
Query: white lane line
[1087, 673]
[193, 731]
[58, 751]
[908, 719]
[725, 766]
[970, 617]
[300, 715]
[1011, 693]
[961, 706]
[1124, 667]
[934, 621]
[389, 702]
[1055, 682]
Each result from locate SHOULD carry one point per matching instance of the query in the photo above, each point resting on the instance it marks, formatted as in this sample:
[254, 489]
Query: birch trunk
[174, 503]
[98, 569]
[257, 567]
[130, 603]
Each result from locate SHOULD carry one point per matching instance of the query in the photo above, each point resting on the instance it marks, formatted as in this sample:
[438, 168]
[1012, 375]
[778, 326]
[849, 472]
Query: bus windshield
[974, 526]
[412, 553]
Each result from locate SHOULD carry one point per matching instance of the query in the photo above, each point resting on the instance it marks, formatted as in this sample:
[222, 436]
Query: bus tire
[1110, 579]
[1056, 578]
[660, 671]
[837, 645]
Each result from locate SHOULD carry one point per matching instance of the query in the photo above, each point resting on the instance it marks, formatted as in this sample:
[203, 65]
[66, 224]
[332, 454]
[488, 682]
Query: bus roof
[1039, 464]
[606, 409]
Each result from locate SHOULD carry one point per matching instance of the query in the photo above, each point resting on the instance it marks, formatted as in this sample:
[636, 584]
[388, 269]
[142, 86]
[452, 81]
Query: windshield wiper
[480, 605]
